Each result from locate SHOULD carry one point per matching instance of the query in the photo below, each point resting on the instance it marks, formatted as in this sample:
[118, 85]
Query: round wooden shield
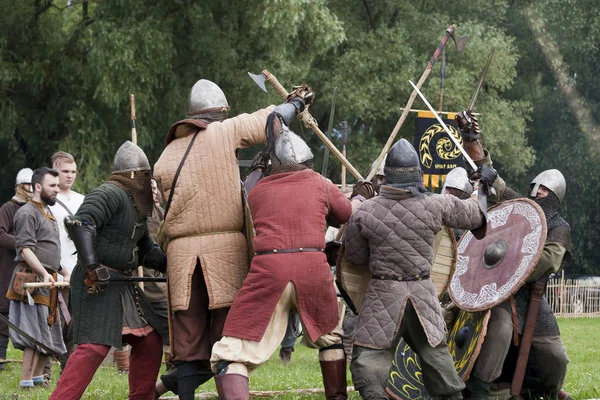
[444, 260]
[406, 377]
[489, 270]
[465, 340]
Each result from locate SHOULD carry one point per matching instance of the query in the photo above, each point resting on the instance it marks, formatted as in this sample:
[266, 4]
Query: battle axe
[309, 121]
[461, 43]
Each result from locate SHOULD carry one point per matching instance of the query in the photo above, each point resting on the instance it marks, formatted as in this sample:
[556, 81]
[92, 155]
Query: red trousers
[144, 365]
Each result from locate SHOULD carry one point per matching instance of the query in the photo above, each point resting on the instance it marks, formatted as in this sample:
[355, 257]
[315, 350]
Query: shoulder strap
[168, 205]
[63, 205]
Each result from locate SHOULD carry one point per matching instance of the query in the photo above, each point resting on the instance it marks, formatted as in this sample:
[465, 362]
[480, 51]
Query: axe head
[259, 80]
[460, 41]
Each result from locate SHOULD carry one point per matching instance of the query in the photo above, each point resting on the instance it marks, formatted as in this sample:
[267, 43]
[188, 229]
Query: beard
[48, 199]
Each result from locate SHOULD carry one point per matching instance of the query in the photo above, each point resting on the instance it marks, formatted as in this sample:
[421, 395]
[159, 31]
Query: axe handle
[45, 284]
[411, 100]
[133, 130]
[310, 122]
[272, 80]
[527, 338]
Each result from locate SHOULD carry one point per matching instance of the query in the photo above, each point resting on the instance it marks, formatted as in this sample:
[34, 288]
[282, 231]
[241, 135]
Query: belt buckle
[102, 273]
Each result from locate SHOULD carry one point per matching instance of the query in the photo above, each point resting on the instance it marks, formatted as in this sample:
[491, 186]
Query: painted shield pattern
[491, 269]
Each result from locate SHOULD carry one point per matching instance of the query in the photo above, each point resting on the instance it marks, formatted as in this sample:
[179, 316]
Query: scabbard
[346, 297]
[532, 312]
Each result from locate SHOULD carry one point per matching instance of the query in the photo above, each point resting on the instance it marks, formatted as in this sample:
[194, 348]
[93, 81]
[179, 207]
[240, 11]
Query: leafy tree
[67, 68]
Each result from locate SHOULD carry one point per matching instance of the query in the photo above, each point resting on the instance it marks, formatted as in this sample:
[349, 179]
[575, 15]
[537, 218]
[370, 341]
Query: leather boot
[3, 347]
[232, 387]
[562, 395]
[334, 379]
[285, 354]
[121, 359]
[479, 389]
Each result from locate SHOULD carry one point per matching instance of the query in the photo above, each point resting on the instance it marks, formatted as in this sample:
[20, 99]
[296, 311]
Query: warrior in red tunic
[289, 272]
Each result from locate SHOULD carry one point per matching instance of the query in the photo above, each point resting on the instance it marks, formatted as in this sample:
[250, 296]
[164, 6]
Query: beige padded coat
[206, 216]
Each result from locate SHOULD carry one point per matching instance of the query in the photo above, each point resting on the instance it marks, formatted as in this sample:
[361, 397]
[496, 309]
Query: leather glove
[468, 125]
[305, 92]
[486, 176]
[260, 161]
[364, 189]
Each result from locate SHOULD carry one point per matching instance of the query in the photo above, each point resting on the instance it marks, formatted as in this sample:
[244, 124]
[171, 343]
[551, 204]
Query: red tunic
[289, 211]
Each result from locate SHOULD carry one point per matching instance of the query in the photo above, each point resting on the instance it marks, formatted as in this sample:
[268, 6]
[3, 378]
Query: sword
[454, 140]
[463, 118]
[26, 335]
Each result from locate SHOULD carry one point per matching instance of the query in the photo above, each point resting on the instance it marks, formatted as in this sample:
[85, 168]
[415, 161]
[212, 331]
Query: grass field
[581, 336]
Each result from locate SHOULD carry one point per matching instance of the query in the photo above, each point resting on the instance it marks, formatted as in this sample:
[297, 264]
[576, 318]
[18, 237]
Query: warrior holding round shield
[547, 191]
[394, 235]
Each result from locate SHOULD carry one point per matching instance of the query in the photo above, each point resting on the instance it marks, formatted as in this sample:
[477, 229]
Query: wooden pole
[311, 123]
[140, 270]
[410, 102]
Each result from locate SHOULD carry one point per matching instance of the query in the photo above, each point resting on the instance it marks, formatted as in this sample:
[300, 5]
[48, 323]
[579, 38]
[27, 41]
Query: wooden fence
[573, 298]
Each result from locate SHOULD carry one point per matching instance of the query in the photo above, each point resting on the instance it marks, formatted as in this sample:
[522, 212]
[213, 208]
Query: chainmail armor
[282, 169]
[410, 178]
[139, 188]
[558, 232]
[211, 114]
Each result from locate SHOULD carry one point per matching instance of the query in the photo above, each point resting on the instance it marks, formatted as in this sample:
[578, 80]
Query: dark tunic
[7, 249]
[289, 211]
[122, 243]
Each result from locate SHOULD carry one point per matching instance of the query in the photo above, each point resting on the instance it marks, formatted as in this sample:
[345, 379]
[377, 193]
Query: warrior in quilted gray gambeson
[394, 234]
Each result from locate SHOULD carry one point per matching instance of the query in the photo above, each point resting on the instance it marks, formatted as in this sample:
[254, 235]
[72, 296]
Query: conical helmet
[458, 179]
[402, 166]
[205, 95]
[24, 176]
[553, 179]
[402, 155]
[291, 148]
[130, 157]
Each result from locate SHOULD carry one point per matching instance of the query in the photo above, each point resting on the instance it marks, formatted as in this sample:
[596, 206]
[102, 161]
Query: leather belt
[298, 250]
[400, 278]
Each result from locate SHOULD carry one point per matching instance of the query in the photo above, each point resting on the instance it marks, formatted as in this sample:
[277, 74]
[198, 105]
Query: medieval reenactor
[379, 177]
[208, 252]
[23, 193]
[110, 233]
[394, 234]
[34, 317]
[289, 272]
[549, 353]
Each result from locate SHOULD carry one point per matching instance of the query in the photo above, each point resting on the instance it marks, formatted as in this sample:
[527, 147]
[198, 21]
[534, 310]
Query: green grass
[579, 335]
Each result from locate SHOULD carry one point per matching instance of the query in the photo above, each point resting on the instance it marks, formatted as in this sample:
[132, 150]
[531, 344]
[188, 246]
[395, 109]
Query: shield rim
[450, 233]
[480, 339]
[525, 276]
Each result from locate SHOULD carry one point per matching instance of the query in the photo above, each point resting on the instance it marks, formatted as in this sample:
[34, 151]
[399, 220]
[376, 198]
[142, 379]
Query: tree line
[67, 68]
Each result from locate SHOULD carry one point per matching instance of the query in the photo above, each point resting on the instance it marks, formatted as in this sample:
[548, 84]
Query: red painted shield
[489, 270]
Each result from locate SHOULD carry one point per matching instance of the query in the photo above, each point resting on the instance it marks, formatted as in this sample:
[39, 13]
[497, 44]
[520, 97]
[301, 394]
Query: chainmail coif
[139, 188]
[410, 178]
